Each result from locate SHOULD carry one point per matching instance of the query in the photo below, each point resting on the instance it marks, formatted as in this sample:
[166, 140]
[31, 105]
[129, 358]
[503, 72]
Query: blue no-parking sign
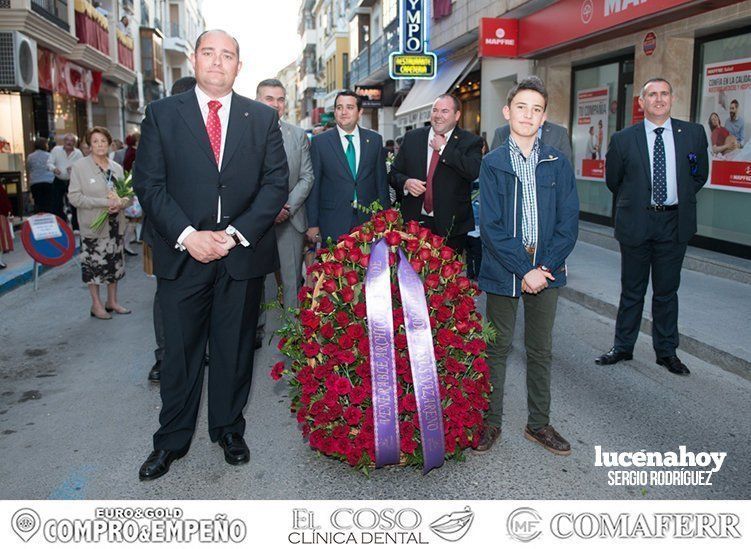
[48, 239]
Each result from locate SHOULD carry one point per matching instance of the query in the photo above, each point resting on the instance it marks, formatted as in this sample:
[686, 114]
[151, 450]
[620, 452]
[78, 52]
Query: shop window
[601, 105]
[722, 105]
[468, 92]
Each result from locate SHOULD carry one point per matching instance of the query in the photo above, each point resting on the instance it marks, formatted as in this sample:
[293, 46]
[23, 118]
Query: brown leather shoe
[489, 435]
[548, 438]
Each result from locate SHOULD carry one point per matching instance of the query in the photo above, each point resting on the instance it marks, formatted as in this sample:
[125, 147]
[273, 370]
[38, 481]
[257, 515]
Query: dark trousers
[457, 242]
[206, 304]
[539, 317]
[474, 256]
[663, 255]
[61, 201]
[44, 197]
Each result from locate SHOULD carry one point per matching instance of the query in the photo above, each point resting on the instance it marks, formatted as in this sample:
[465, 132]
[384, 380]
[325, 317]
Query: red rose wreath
[329, 371]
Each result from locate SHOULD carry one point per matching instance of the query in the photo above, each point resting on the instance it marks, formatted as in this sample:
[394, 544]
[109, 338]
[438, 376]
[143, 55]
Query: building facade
[74, 66]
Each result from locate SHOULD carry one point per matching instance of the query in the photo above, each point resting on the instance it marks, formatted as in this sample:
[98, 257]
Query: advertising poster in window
[591, 133]
[725, 111]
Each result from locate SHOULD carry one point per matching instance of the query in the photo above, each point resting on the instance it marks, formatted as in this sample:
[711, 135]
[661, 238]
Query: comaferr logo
[587, 11]
[645, 525]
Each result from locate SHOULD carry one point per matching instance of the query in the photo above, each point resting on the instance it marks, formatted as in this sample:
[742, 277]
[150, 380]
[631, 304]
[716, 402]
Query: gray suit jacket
[297, 148]
[552, 134]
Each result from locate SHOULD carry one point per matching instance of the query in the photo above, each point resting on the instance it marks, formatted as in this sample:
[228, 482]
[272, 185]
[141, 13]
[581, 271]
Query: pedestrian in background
[291, 223]
[131, 144]
[117, 145]
[41, 178]
[6, 231]
[60, 162]
[91, 191]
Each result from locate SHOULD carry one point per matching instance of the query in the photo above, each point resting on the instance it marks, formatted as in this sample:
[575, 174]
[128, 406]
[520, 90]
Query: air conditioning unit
[18, 62]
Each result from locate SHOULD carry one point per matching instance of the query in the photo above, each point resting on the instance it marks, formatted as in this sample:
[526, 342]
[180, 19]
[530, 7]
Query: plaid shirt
[525, 171]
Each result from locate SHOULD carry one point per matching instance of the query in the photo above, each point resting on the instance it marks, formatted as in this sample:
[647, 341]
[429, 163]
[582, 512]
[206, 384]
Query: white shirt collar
[342, 133]
[650, 126]
[447, 135]
[203, 99]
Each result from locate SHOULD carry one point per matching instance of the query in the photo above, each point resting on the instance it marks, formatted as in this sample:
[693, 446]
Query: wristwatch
[231, 231]
[544, 268]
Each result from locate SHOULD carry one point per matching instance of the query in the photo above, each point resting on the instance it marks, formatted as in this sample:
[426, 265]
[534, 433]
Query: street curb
[28, 275]
[704, 351]
[21, 279]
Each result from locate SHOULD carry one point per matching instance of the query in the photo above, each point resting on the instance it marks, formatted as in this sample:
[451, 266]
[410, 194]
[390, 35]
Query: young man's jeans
[539, 316]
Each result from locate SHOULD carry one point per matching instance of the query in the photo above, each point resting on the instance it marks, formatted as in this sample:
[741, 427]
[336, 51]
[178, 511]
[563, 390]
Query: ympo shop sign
[413, 60]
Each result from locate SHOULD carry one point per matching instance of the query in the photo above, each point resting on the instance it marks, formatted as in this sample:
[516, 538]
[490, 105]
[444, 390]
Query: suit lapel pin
[247, 114]
[679, 130]
[367, 140]
[456, 137]
[550, 156]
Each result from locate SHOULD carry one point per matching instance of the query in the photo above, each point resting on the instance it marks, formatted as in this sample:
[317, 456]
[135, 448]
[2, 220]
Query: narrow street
[77, 414]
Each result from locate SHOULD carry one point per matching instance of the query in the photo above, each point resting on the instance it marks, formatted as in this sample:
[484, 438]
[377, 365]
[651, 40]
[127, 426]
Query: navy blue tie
[659, 177]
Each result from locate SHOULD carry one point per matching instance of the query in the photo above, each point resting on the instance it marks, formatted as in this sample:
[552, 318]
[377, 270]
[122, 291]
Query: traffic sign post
[48, 240]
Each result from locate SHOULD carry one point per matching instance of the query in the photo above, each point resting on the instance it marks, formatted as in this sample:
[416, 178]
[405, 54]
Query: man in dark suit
[550, 134]
[211, 198]
[349, 169]
[180, 85]
[435, 168]
[654, 169]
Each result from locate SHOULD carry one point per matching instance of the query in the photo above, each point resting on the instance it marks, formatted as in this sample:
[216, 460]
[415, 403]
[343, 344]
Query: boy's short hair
[533, 83]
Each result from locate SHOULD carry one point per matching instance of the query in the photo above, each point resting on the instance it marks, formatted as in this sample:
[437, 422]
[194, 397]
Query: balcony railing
[92, 27]
[125, 50]
[55, 11]
[174, 30]
[376, 56]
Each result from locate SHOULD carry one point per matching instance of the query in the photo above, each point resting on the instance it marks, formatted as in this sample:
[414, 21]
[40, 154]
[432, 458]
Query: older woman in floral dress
[91, 191]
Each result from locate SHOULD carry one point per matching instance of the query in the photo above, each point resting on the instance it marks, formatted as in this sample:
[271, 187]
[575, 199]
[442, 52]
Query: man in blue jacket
[529, 213]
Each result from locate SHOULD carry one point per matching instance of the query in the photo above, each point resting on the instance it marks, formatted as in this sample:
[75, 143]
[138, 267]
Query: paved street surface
[77, 415]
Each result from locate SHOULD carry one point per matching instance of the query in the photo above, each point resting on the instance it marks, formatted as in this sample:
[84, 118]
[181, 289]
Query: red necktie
[428, 200]
[214, 129]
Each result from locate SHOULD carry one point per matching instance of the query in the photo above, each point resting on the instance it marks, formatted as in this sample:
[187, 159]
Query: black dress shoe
[130, 252]
[613, 356]
[674, 365]
[235, 450]
[155, 374]
[158, 462]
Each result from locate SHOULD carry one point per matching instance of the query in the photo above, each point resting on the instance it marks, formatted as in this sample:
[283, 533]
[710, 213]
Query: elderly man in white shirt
[59, 163]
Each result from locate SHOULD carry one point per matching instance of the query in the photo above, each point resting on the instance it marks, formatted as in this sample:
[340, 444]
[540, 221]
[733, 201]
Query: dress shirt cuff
[243, 241]
[183, 235]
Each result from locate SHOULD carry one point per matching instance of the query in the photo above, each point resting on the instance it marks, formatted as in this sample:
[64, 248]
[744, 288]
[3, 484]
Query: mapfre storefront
[595, 55]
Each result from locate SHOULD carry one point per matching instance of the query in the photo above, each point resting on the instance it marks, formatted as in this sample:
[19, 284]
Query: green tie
[352, 161]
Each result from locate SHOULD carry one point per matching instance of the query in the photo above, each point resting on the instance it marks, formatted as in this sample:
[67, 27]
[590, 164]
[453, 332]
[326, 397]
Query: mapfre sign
[499, 37]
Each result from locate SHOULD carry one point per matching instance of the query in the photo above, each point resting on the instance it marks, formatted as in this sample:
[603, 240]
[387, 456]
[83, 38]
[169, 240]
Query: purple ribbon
[382, 370]
[422, 362]
[382, 361]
